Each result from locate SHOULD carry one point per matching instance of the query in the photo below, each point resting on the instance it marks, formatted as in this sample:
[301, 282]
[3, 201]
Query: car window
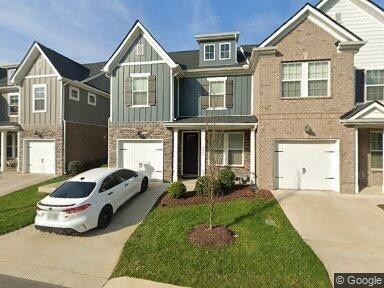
[73, 189]
[125, 174]
[109, 182]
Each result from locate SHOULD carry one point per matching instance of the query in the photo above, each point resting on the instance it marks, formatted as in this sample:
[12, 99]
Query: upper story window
[375, 85]
[306, 79]
[140, 91]
[140, 50]
[13, 104]
[74, 93]
[225, 51]
[217, 93]
[92, 99]
[39, 97]
[209, 52]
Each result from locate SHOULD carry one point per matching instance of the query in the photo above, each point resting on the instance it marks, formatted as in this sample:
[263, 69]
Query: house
[54, 110]
[365, 19]
[160, 100]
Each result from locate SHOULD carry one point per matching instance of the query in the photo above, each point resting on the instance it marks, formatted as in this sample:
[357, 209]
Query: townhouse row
[301, 110]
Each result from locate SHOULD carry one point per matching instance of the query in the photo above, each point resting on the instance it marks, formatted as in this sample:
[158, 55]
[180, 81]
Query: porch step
[190, 184]
[49, 188]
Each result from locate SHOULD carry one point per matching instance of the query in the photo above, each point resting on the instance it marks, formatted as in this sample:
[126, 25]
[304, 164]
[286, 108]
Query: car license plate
[52, 216]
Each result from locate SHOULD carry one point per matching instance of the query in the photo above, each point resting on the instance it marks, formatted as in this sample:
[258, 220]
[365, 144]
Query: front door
[190, 153]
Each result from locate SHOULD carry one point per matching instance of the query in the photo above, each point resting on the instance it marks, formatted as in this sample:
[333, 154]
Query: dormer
[218, 49]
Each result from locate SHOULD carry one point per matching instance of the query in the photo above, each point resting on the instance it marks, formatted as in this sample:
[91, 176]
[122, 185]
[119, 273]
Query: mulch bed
[216, 237]
[240, 192]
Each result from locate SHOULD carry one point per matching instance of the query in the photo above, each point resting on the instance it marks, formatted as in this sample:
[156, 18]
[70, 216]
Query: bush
[177, 190]
[226, 180]
[75, 167]
[202, 185]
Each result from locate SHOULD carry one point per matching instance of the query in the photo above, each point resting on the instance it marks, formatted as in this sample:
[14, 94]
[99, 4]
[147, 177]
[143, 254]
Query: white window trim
[370, 85]
[305, 80]
[140, 75]
[225, 43]
[142, 50]
[226, 151]
[214, 52]
[9, 104]
[34, 97]
[90, 95]
[71, 88]
[370, 149]
[217, 79]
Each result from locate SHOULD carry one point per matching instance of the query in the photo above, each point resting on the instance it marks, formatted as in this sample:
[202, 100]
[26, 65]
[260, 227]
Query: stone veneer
[151, 130]
[47, 133]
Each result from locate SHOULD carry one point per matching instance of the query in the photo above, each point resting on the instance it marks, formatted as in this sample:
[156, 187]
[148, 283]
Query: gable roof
[316, 16]
[368, 5]
[136, 29]
[359, 110]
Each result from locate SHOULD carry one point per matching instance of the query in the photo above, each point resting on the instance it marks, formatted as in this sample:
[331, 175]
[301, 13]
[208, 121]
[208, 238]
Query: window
[13, 104]
[140, 91]
[124, 175]
[74, 93]
[140, 50]
[375, 85]
[216, 94]
[109, 182]
[229, 148]
[225, 51]
[377, 150]
[39, 97]
[9, 146]
[209, 52]
[306, 79]
[91, 99]
[74, 189]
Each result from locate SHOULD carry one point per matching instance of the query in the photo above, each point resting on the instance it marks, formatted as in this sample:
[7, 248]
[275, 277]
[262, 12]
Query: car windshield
[73, 189]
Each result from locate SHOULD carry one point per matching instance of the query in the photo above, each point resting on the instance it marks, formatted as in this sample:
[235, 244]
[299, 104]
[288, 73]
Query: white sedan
[88, 200]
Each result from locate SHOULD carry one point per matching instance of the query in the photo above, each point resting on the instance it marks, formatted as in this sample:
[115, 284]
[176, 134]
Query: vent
[140, 50]
[39, 64]
[338, 17]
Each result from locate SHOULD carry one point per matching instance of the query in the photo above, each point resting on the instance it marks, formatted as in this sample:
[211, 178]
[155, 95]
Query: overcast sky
[90, 30]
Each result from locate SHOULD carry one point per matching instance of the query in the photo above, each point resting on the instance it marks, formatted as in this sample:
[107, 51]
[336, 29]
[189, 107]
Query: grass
[18, 209]
[262, 255]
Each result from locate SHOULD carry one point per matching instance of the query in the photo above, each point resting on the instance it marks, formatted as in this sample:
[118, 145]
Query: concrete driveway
[84, 261]
[345, 231]
[11, 181]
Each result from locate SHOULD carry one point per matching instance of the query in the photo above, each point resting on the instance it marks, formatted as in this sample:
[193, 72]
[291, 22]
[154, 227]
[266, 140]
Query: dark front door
[190, 153]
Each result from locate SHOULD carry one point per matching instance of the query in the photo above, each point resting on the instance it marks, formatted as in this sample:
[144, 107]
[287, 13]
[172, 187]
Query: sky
[90, 30]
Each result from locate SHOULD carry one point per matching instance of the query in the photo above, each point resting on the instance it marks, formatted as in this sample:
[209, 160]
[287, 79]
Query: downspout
[64, 128]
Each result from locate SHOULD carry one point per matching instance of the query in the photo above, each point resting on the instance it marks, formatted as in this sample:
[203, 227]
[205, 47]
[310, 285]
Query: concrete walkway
[136, 283]
[86, 261]
[11, 181]
[345, 231]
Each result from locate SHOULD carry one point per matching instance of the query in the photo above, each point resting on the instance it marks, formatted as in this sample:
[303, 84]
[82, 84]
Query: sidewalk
[135, 283]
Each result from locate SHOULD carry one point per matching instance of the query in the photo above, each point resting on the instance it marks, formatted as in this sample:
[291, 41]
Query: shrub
[75, 167]
[226, 180]
[177, 189]
[202, 185]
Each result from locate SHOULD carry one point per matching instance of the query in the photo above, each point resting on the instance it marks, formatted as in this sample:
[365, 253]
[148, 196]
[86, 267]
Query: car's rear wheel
[105, 217]
[144, 185]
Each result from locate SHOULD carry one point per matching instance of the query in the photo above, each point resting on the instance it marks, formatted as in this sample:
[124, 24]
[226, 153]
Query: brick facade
[286, 118]
[150, 131]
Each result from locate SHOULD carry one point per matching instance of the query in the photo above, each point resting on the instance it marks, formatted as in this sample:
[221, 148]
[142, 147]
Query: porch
[9, 146]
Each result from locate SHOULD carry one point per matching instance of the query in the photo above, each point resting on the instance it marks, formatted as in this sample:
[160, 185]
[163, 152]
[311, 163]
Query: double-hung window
[228, 148]
[74, 93]
[209, 52]
[377, 150]
[375, 85]
[39, 97]
[306, 79]
[217, 94]
[140, 91]
[13, 104]
[92, 99]
[225, 51]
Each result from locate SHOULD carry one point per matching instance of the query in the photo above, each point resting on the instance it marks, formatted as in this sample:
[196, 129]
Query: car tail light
[76, 209]
[39, 209]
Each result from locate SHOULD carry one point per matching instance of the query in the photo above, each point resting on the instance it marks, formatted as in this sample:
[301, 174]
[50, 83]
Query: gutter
[85, 87]
[225, 125]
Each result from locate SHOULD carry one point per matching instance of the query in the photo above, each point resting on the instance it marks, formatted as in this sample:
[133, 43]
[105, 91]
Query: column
[202, 153]
[3, 148]
[253, 156]
[14, 145]
[175, 154]
[356, 160]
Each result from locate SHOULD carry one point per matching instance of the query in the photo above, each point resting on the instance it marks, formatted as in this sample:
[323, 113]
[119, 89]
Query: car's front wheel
[105, 217]
[144, 185]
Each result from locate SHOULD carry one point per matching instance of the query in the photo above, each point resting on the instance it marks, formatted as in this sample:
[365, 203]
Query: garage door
[41, 157]
[307, 165]
[142, 155]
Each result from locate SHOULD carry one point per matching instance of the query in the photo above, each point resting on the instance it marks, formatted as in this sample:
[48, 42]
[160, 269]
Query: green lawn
[18, 209]
[262, 255]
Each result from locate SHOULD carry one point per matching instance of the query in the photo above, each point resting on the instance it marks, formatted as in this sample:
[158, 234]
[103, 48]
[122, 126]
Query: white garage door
[40, 157]
[142, 155]
[307, 165]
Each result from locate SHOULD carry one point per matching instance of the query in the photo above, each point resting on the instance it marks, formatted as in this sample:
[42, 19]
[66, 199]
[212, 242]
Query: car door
[110, 191]
[130, 183]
